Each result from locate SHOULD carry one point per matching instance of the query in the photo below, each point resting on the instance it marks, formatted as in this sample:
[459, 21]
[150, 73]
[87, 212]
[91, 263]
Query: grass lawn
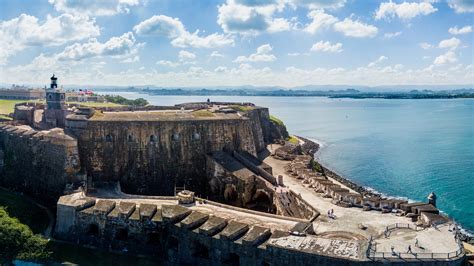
[276, 120]
[96, 104]
[7, 106]
[24, 210]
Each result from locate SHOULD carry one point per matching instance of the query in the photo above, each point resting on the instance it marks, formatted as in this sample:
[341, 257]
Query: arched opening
[153, 139]
[232, 259]
[121, 234]
[200, 250]
[130, 138]
[196, 136]
[153, 239]
[175, 137]
[93, 230]
[108, 138]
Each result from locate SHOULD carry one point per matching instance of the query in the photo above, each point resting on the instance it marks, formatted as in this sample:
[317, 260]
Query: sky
[199, 43]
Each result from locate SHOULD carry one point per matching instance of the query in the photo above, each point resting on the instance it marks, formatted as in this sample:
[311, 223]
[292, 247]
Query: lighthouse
[55, 113]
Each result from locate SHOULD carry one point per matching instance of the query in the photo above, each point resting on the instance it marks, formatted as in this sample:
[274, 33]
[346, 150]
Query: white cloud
[294, 54]
[378, 61]
[216, 54]
[463, 30]
[448, 57]
[461, 6]
[186, 56]
[425, 45]
[115, 46]
[327, 47]
[390, 35]
[172, 28]
[404, 11]
[315, 4]
[167, 63]
[25, 30]
[263, 54]
[356, 28]
[132, 59]
[452, 43]
[320, 20]
[252, 17]
[93, 7]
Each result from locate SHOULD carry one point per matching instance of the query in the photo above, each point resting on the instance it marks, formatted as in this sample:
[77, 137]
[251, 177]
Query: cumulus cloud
[320, 20]
[404, 11]
[452, 43]
[378, 61]
[216, 54]
[425, 45]
[186, 56]
[25, 30]
[167, 63]
[132, 59]
[463, 30]
[461, 6]
[263, 54]
[252, 17]
[316, 4]
[173, 29]
[448, 57]
[390, 35]
[93, 7]
[355, 28]
[328, 47]
[116, 46]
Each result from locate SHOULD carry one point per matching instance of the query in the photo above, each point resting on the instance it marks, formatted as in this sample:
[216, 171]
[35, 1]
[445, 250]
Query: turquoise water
[403, 148]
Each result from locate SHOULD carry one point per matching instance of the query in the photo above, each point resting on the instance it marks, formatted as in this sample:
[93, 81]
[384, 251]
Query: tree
[17, 241]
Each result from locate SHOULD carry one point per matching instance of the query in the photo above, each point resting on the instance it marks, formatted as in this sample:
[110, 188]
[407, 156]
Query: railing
[374, 255]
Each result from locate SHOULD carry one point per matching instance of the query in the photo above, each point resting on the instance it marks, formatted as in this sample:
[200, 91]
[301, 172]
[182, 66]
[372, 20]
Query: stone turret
[432, 199]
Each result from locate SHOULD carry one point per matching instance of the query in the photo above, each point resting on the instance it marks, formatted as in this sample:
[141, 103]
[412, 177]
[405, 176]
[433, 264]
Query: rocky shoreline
[310, 147]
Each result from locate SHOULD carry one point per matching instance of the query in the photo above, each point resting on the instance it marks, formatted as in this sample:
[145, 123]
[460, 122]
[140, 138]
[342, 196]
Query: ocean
[401, 148]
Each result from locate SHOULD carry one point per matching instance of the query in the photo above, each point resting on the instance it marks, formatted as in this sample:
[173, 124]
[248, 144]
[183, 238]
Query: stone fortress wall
[39, 162]
[152, 157]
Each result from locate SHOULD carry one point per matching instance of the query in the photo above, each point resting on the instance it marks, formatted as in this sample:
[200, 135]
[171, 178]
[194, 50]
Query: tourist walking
[416, 242]
[409, 249]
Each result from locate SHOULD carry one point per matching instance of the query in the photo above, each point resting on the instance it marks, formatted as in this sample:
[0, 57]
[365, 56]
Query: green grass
[203, 113]
[294, 140]
[4, 117]
[24, 210]
[241, 108]
[7, 106]
[276, 120]
[96, 104]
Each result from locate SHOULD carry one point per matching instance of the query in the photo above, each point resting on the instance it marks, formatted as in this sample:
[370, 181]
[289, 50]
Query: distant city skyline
[287, 43]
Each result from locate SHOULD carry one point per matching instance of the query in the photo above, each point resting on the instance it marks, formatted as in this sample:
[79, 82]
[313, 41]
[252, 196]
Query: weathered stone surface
[234, 230]
[212, 226]
[174, 213]
[256, 236]
[194, 220]
[123, 210]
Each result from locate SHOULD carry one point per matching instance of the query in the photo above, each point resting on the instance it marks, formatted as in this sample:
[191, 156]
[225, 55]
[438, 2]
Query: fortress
[206, 184]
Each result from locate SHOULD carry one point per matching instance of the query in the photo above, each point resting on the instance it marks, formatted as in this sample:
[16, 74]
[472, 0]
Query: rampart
[38, 162]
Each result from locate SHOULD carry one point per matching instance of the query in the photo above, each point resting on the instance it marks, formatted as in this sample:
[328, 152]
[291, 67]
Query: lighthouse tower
[54, 97]
[55, 113]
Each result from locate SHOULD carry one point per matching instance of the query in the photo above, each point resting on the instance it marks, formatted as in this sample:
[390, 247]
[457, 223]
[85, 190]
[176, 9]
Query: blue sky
[190, 43]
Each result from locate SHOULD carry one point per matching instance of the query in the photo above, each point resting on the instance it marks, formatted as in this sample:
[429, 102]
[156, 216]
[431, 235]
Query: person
[393, 251]
[416, 242]
[409, 249]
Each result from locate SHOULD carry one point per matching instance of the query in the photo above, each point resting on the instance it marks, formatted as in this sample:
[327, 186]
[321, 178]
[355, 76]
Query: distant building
[21, 93]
